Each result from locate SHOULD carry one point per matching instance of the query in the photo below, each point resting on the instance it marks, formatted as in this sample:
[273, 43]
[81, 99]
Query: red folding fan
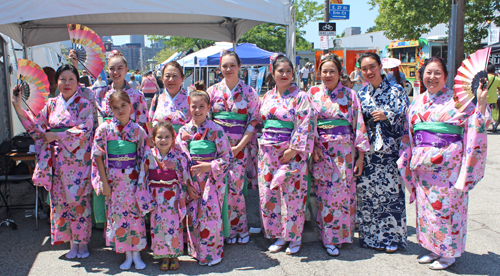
[89, 48]
[468, 78]
[35, 86]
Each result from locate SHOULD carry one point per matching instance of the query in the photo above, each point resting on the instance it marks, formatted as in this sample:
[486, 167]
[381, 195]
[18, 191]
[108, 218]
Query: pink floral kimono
[205, 227]
[130, 199]
[167, 179]
[63, 166]
[341, 133]
[242, 102]
[166, 108]
[288, 122]
[443, 158]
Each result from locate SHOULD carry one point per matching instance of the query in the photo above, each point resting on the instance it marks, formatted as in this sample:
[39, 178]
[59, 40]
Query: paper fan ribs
[89, 48]
[473, 69]
[35, 85]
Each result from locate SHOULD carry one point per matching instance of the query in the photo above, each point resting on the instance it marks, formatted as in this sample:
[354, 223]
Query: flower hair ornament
[115, 53]
[272, 59]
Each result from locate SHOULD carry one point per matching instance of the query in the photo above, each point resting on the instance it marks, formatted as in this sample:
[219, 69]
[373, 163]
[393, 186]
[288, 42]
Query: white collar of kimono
[234, 88]
[70, 100]
[170, 96]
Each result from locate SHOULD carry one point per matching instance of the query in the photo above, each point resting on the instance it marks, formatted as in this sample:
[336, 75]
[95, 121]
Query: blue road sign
[339, 12]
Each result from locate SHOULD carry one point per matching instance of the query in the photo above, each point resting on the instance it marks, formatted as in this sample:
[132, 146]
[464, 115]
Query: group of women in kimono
[184, 162]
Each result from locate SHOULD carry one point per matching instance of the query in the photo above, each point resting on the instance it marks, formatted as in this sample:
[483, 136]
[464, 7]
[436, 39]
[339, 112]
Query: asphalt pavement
[25, 251]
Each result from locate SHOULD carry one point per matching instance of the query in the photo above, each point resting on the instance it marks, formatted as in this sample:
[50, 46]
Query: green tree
[162, 55]
[373, 29]
[410, 19]
[341, 35]
[183, 43]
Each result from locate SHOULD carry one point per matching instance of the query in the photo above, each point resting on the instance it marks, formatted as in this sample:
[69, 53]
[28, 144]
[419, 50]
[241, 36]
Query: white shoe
[293, 247]
[332, 250]
[212, 263]
[244, 238]
[442, 263]
[136, 257]
[128, 261]
[231, 240]
[277, 246]
[427, 259]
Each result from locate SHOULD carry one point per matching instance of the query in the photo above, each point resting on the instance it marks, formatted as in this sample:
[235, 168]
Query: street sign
[339, 12]
[327, 29]
[323, 42]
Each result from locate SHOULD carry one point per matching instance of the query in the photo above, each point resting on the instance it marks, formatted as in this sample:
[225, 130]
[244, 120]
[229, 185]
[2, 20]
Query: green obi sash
[121, 147]
[59, 129]
[206, 150]
[278, 124]
[438, 127]
[333, 122]
[176, 127]
[107, 118]
[224, 115]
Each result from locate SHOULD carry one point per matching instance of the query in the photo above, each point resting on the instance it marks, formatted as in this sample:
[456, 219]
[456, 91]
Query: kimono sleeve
[224, 154]
[304, 126]
[141, 111]
[405, 154]
[77, 136]
[475, 148]
[35, 126]
[253, 110]
[152, 109]
[361, 140]
[99, 149]
[398, 111]
[143, 197]
[184, 178]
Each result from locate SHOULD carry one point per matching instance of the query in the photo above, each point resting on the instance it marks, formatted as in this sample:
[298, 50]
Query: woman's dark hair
[119, 94]
[395, 72]
[163, 124]
[344, 79]
[67, 67]
[200, 85]
[279, 60]
[369, 55]
[233, 54]
[333, 58]
[174, 64]
[490, 68]
[200, 93]
[439, 60]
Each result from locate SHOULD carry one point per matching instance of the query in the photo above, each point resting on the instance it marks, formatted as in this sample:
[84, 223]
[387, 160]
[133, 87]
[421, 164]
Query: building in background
[138, 39]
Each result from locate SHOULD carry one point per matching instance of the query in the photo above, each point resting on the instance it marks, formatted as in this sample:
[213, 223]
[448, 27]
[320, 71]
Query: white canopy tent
[35, 22]
[189, 60]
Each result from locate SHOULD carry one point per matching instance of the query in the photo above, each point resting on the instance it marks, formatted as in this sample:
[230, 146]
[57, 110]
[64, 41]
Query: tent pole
[290, 36]
[23, 40]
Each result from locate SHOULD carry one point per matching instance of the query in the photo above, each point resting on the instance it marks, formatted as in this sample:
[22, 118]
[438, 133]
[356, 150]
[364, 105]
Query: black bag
[22, 142]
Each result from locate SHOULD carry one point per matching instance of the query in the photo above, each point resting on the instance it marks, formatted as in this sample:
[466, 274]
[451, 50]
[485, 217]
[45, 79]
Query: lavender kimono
[441, 169]
[130, 199]
[241, 100]
[63, 166]
[166, 108]
[204, 223]
[138, 114]
[167, 217]
[283, 187]
[334, 175]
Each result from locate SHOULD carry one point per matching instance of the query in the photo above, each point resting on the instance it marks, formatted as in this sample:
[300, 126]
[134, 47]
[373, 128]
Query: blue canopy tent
[249, 54]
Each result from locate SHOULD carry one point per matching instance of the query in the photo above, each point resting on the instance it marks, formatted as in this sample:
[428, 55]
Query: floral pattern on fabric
[166, 108]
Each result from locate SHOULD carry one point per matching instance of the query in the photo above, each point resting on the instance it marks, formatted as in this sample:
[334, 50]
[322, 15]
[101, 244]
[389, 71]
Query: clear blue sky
[360, 16]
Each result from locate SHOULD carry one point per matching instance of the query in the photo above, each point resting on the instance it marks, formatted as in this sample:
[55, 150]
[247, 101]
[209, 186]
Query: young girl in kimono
[118, 172]
[444, 157]
[288, 137]
[62, 133]
[210, 152]
[338, 156]
[235, 107]
[168, 178]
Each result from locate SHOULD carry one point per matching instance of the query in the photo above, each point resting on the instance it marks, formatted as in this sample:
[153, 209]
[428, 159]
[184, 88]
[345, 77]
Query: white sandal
[277, 246]
[293, 247]
[427, 259]
[442, 263]
[231, 240]
[332, 250]
[244, 238]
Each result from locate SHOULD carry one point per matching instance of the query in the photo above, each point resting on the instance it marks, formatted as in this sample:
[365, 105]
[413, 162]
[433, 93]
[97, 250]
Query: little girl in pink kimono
[118, 172]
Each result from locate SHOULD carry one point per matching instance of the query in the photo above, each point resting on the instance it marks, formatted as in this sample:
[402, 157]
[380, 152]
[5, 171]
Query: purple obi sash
[231, 126]
[276, 134]
[337, 130]
[425, 138]
[203, 157]
[122, 161]
[162, 178]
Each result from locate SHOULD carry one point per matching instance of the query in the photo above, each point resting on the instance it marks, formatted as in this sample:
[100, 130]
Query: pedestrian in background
[493, 93]
[132, 83]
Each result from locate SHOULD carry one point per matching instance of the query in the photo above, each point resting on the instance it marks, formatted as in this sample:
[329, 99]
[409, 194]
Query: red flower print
[205, 233]
[437, 205]
[235, 221]
[241, 155]
[298, 158]
[120, 128]
[343, 108]
[268, 177]
[314, 90]
[133, 175]
[438, 159]
[77, 99]
[414, 119]
[328, 218]
[426, 115]
[168, 195]
[138, 113]
[242, 111]
[272, 110]
[197, 136]
[297, 185]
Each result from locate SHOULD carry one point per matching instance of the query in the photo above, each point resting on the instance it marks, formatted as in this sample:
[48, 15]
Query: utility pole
[327, 19]
[459, 50]
[455, 39]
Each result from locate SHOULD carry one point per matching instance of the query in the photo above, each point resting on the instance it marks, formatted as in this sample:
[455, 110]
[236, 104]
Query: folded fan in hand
[89, 48]
[34, 84]
[468, 78]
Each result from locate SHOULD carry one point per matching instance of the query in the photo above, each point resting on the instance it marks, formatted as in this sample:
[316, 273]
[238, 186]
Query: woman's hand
[73, 57]
[192, 192]
[481, 96]
[379, 115]
[106, 189]
[49, 137]
[201, 168]
[236, 150]
[16, 100]
[287, 156]
[358, 166]
[317, 153]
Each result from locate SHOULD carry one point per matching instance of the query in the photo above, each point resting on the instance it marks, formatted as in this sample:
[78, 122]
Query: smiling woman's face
[67, 84]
